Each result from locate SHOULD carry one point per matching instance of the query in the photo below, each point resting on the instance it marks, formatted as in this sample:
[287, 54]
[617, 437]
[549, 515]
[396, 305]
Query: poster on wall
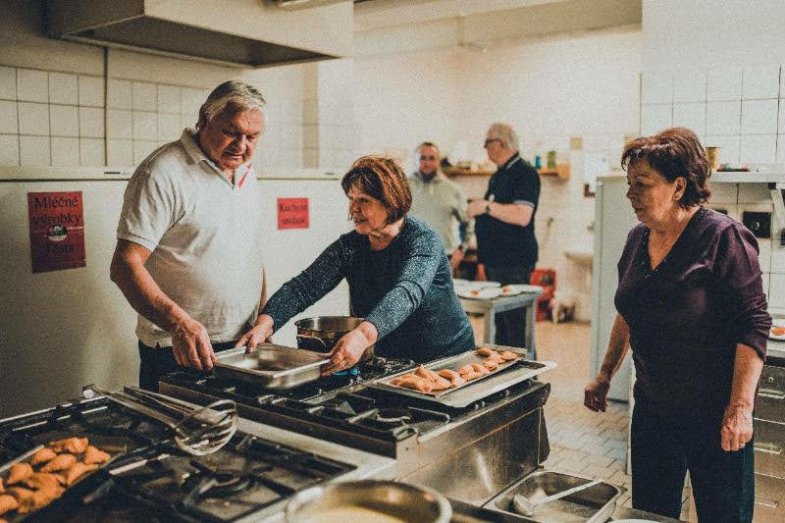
[293, 213]
[56, 230]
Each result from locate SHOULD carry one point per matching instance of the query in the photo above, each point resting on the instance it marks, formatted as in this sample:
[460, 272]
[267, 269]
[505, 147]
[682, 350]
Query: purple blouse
[687, 315]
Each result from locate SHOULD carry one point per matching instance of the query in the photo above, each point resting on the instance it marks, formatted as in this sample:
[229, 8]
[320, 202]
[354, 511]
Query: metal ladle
[526, 507]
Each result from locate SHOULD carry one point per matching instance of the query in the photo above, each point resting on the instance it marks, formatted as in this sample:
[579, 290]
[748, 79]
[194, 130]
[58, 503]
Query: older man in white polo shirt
[189, 247]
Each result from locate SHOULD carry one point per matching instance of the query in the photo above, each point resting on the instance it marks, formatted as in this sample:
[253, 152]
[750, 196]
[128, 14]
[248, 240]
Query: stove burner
[226, 484]
[393, 415]
[217, 483]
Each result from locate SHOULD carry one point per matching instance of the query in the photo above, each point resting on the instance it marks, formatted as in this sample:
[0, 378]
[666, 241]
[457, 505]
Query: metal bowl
[320, 334]
[368, 501]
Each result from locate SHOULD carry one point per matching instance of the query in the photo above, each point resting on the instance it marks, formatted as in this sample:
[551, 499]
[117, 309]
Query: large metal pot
[368, 501]
[320, 334]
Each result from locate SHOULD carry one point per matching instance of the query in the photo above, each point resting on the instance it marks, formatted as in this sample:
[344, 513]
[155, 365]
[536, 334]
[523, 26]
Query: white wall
[551, 90]
[52, 101]
[681, 34]
[717, 67]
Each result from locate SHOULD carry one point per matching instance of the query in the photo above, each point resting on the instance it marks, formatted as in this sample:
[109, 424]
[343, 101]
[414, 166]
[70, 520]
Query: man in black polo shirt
[504, 224]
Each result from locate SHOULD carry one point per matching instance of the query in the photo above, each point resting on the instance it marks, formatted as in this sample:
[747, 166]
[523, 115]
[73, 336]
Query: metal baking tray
[503, 377]
[595, 504]
[271, 366]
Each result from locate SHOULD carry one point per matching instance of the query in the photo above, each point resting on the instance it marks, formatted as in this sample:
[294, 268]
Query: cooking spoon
[526, 506]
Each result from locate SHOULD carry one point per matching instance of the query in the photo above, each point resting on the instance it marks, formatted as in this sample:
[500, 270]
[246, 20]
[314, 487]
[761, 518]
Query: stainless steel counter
[465, 513]
[776, 348]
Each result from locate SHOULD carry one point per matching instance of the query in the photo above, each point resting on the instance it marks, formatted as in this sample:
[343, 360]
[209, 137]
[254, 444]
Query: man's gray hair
[506, 133]
[234, 94]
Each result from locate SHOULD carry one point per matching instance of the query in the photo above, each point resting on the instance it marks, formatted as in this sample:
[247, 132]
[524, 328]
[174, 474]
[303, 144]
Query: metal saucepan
[320, 334]
[368, 501]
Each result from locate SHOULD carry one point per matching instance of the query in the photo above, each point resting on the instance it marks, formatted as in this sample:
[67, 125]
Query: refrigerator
[64, 327]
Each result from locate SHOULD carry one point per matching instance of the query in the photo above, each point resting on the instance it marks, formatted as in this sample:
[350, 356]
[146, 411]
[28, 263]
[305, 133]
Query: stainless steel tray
[592, 505]
[271, 366]
[498, 380]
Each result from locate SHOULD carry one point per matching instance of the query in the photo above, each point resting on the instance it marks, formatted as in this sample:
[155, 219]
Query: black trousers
[510, 325]
[723, 483]
[155, 362]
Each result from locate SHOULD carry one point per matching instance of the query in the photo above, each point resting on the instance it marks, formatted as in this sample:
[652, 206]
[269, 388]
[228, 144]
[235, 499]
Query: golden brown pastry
[70, 445]
[472, 375]
[2, 488]
[18, 473]
[416, 383]
[7, 503]
[39, 499]
[449, 374]
[61, 462]
[465, 369]
[509, 356]
[40, 480]
[42, 456]
[480, 369]
[95, 455]
[76, 471]
[397, 381]
[496, 357]
[485, 351]
[23, 496]
[454, 378]
[490, 364]
[426, 374]
[440, 384]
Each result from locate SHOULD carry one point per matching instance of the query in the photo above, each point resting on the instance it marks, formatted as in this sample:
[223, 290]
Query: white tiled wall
[739, 110]
[60, 119]
[737, 198]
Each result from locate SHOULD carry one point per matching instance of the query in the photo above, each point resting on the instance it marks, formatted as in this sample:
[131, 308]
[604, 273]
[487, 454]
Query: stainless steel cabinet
[770, 446]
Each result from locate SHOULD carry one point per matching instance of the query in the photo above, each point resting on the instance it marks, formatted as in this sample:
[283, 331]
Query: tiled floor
[583, 443]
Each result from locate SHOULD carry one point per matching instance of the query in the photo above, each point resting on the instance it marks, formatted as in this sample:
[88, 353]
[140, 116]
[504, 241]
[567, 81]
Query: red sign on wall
[56, 230]
[293, 213]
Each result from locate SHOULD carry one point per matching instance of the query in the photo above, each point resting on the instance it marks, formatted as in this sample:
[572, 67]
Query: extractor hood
[246, 33]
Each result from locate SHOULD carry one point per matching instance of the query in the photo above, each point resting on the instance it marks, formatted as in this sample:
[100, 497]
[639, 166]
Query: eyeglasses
[428, 158]
[489, 141]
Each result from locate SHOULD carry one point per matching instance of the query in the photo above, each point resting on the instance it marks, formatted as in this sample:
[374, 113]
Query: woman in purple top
[691, 307]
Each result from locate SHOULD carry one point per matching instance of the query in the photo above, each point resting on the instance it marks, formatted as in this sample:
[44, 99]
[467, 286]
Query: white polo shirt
[204, 233]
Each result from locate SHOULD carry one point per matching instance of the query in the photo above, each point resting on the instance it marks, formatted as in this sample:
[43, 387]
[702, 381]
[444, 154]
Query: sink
[580, 256]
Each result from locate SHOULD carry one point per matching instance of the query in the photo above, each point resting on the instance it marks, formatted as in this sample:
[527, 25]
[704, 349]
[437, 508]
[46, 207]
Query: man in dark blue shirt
[504, 224]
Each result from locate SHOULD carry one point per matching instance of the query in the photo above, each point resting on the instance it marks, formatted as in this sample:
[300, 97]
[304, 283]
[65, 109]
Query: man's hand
[260, 333]
[596, 393]
[191, 345]
[476, 208]
[736, 427]
[456, 258]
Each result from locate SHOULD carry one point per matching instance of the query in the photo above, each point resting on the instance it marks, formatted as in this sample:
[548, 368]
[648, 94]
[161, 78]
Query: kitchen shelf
[457, 171]
[561, 170]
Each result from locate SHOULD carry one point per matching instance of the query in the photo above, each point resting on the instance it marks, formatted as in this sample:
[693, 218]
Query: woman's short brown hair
[674, 152]
[383, 179]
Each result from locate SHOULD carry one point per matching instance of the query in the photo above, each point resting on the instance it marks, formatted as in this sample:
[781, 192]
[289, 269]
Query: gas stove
[468, 453]
[150, 479]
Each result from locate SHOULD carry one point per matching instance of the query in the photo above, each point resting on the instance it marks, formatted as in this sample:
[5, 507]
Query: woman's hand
[259, 333]
[736, 427]
[596, 393]
[350, 348]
